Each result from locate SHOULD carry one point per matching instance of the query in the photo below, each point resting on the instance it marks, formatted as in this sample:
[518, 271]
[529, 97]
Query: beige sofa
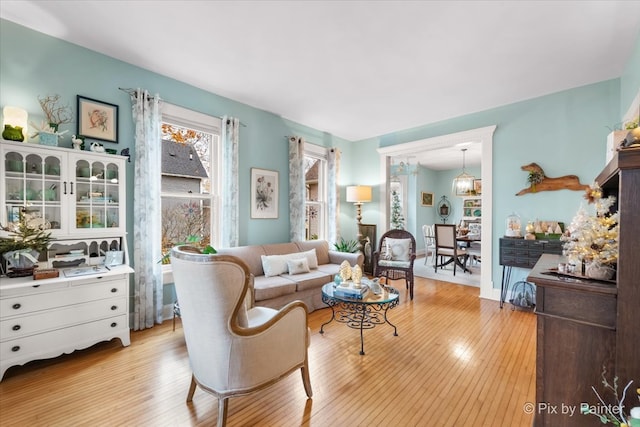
[275, 290]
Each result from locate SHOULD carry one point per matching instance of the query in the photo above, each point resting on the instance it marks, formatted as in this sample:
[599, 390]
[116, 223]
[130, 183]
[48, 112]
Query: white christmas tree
[397, 220]
[593, 237]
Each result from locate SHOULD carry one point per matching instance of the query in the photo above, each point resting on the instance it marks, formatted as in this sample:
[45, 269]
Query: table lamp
[358, 194]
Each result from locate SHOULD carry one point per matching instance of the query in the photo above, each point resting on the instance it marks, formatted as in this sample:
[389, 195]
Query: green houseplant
[350, 246]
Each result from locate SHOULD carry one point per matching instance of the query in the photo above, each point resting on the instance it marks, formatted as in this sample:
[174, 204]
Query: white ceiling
[356, 69]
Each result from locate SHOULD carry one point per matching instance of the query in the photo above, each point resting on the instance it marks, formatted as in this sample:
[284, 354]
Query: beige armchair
[234, 350]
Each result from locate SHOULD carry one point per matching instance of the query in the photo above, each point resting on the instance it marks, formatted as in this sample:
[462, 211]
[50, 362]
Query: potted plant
[55, 115]
[23, 245]
[349, 246]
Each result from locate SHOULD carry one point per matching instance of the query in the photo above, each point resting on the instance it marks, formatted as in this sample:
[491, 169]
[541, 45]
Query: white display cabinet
[71, 192]
[79, 196]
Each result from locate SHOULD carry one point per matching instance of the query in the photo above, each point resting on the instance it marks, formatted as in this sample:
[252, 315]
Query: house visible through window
[315, 167]
[190, 178]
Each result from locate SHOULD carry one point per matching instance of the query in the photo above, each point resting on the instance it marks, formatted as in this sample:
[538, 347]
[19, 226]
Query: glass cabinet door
[33, 183]
[97, 194]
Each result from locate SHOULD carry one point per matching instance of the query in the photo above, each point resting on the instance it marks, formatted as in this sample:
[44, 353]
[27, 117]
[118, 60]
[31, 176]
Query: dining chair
[447, 250]
[429, 242]
[394, 257]
[235, 349]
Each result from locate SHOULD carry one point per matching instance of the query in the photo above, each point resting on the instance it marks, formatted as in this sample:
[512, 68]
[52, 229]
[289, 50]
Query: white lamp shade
[358, 193]
[15, 116]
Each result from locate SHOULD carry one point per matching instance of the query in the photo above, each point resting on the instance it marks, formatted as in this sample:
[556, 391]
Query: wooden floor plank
[458, 360]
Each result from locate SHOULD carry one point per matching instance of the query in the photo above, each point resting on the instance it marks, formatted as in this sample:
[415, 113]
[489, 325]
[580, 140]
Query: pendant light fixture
[463, 183]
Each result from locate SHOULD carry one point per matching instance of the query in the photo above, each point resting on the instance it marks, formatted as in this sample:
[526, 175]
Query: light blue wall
[564, 132]
[34, 64]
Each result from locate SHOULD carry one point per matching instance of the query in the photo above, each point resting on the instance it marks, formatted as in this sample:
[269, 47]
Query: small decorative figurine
[97, 148]
[356, 275]
[125, 152]
[78, 142]
[345, 271]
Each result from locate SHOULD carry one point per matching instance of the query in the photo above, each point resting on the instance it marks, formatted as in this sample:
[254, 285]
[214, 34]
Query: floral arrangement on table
[613, 414]
[55, 115]
[592, 238]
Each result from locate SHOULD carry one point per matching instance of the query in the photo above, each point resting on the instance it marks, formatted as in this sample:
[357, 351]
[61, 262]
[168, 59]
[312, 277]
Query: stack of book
[350, 292]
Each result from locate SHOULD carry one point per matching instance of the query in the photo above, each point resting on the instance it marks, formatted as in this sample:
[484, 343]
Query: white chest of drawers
[47, 318]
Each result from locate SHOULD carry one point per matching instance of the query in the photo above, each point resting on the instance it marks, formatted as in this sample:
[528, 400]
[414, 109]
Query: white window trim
[195, 120]
[322, 153]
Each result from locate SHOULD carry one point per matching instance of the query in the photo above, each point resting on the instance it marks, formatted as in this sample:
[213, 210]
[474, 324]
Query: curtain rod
[133, 92]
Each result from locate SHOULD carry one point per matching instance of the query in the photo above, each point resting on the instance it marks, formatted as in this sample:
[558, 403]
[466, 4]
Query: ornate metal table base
[360, 314]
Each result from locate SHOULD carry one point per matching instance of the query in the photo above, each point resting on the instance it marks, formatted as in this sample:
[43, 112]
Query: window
[315, 173]
[190, 187]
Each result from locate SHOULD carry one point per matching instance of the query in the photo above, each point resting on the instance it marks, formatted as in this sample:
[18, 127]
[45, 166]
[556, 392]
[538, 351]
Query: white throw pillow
[298, 266]
[312, 258]
[398, 249]
[274, 265]
[310, 255]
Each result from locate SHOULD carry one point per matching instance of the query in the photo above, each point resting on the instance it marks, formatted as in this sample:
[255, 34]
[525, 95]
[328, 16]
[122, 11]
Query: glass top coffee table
[363, 313]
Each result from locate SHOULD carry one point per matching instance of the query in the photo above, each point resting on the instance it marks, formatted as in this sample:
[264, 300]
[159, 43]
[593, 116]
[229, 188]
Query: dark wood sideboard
[583, 325]
[522, 253]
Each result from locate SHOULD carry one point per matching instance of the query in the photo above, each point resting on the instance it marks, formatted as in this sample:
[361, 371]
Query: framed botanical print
[477, 186]
[264, 193]
[97, 119]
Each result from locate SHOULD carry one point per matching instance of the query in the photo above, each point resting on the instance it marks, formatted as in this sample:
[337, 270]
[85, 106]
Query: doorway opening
[452, 142]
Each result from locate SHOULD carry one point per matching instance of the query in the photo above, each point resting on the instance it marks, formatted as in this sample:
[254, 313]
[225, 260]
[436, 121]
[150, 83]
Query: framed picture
[97, 119]
[477, 186]
[368, 242]
[264, 193]
[427, 199]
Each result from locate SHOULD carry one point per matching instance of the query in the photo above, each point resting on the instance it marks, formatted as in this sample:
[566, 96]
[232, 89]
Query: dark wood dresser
[584, 325]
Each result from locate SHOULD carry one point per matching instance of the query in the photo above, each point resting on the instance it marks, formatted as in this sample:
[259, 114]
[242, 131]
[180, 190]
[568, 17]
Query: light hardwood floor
[458, 360]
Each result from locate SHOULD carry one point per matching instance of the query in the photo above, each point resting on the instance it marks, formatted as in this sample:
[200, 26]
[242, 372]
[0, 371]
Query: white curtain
[296, 189]
[333, 196]
[229, 232]
[147, 210]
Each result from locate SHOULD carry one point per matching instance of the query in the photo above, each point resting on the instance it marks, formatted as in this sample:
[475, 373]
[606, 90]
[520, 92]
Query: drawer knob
[15, 348]
[16, 327]
[114, 324]
[16, 306]
[114, 290]
[114, 307]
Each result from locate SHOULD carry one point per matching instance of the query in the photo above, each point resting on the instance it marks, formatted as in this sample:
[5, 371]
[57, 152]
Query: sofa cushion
[310, 280]
[398, 249]
[390, 263]
[249, 254]
[321, 247]
[272, 287]
[274, 265]
[330, 270]
[280, 248]
[298, 266]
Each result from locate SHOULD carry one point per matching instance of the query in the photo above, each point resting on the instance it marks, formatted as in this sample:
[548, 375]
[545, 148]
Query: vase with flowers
[592, 237]
[55, 115]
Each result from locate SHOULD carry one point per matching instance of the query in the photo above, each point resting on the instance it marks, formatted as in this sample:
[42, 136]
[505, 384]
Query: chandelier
[404, 167]
[463, 183]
